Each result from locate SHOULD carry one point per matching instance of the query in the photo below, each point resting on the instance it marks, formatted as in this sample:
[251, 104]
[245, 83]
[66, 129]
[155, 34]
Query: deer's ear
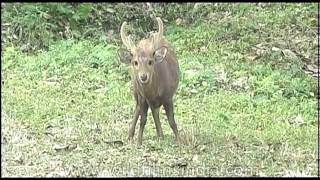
[125, 56]
[160, 53]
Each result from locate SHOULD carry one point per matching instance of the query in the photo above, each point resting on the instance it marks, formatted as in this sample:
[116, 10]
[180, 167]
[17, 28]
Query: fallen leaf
[241, 83]
[51, 83]
[110, 10]
[311, 68]
[194, 91]
[203, 148]
[46, 15]
[179, 162]
[297, 120]
[178, 21]
[204, 83]
[117, 142]
[252, 57]
[275, 49]
[203, 49]
[190, 73]
[59, 147]
[289, 54]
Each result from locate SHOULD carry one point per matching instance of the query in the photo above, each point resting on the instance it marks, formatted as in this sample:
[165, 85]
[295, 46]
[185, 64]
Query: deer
[154, 71]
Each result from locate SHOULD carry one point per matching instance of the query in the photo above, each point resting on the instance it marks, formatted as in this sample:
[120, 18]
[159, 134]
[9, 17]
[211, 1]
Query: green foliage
[35, 26]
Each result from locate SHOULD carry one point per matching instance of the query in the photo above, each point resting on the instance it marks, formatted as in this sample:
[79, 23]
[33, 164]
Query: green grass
[238, 115]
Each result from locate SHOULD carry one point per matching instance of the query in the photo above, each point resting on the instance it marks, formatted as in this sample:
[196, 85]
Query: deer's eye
[135, 63]
[150, 63]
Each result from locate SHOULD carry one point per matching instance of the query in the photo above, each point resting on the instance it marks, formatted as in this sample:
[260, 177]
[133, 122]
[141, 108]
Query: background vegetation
[245, 105]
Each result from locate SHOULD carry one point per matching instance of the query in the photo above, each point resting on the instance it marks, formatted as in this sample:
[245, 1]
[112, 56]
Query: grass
[244, 107]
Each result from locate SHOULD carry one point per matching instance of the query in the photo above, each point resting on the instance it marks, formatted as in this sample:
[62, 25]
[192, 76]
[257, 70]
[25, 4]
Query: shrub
[33, 26]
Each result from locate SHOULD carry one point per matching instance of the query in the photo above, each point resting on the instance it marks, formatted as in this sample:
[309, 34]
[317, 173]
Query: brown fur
[162, 83]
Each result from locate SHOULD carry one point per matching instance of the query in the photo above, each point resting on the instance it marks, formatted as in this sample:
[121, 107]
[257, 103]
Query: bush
[34, 26]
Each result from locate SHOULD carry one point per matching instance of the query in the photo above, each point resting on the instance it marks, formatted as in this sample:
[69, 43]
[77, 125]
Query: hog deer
[155, 76]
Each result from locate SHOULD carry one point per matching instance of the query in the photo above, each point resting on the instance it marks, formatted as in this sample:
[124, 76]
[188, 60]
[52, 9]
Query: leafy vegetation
[244, 106]
[35, 26]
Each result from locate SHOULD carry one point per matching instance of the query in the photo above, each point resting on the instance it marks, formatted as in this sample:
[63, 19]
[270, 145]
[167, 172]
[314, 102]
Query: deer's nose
[143, 77]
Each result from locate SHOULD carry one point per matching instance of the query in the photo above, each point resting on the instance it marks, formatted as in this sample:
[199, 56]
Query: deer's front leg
[155, 114]
[134, 122]
[170, 115]
[144, 111]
